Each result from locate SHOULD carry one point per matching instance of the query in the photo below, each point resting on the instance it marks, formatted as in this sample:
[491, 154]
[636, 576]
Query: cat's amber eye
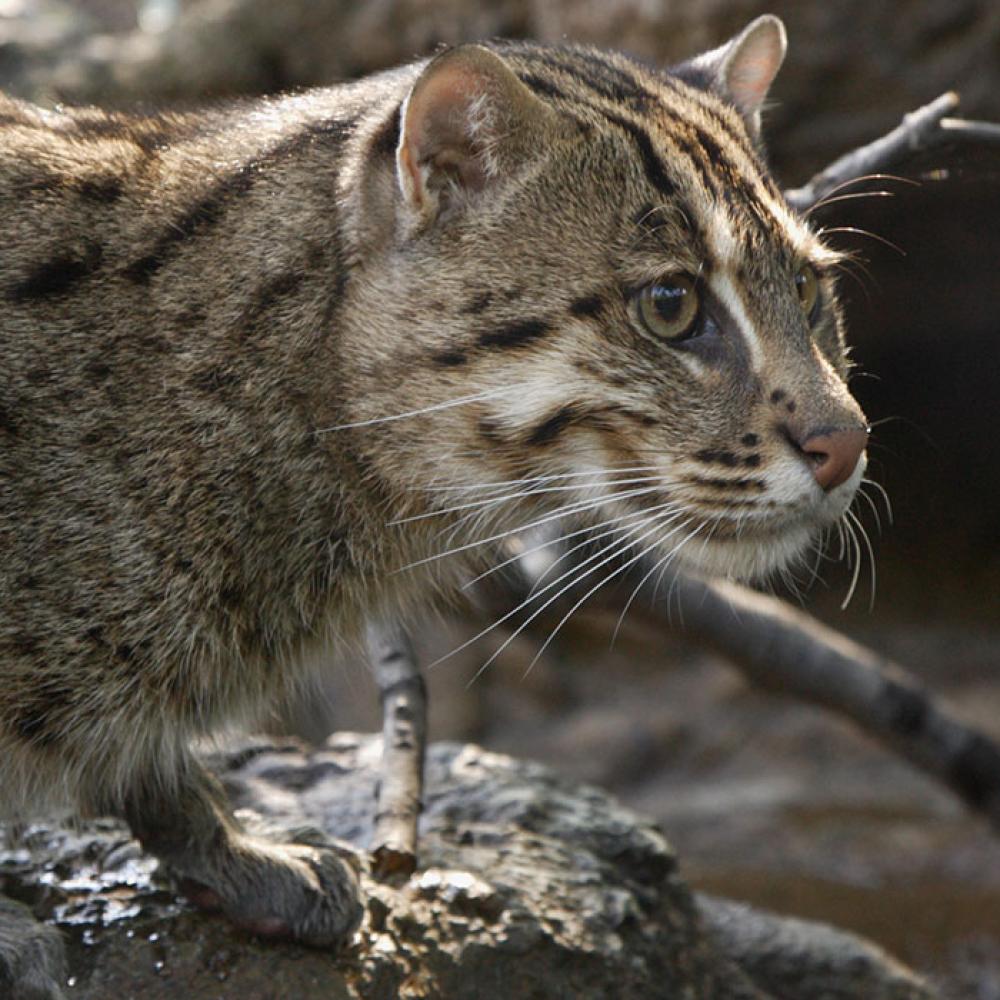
[807, 285]
[669, 308]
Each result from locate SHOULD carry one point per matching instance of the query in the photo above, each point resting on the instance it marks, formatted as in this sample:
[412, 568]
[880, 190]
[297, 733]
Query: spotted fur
[214, 325]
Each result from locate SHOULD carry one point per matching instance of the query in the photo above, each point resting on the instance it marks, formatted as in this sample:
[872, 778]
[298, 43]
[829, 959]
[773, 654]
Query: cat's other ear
[466, 125]
[742, 70]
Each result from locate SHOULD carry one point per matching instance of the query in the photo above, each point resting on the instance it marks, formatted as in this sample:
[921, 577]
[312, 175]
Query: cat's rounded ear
[466, 124]
[742, 70]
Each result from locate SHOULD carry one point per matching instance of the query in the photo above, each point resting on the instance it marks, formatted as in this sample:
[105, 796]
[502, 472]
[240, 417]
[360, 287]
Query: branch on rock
[785, 651]
[404, 742]
[921, 130]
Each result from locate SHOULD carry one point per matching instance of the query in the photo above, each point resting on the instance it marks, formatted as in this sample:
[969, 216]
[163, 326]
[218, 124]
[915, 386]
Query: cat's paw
[306, 893]
[32, 965]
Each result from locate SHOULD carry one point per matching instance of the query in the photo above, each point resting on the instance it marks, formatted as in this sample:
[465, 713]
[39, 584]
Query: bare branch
[926, 128]
[783, 650]
[404, 743]
[786, 651]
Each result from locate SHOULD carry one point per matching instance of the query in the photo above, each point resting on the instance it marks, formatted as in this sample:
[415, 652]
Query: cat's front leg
[289, 890]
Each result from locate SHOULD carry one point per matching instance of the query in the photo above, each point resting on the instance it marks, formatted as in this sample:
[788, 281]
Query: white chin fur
[749, 559]
[745, 559]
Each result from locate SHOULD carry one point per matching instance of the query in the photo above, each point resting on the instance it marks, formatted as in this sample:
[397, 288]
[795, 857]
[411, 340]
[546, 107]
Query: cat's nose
[834, 454]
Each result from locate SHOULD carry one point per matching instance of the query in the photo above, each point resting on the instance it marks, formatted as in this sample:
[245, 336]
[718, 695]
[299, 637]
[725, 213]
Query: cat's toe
[301, 892]
[323, 909]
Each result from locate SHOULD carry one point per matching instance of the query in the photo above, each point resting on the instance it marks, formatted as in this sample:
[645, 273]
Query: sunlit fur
[271, 369]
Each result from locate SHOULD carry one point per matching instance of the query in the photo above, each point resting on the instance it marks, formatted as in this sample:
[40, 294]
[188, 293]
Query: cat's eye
[807, 285]
[669, 308]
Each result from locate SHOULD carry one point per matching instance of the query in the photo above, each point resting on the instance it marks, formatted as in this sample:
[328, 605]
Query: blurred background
[766, 800]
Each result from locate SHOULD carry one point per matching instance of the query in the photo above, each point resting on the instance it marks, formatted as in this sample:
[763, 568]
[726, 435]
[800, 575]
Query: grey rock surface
[528, 886]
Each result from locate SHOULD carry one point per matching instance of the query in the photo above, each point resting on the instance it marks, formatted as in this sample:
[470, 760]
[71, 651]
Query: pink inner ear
[751, 69]
[750, 80]
[441, 116]
[439, 129]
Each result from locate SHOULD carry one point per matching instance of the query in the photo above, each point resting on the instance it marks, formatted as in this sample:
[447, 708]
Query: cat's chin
[747, 559]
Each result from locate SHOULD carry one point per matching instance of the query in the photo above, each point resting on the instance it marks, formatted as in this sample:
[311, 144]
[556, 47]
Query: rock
[528, 886]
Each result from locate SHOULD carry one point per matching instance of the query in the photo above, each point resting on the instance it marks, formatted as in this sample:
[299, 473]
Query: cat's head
[581, 272]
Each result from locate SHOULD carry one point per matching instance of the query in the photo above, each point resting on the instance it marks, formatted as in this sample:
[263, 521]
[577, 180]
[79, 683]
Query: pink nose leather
[834, 455]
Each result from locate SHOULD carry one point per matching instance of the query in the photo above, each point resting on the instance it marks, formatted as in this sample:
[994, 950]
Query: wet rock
[529, 886]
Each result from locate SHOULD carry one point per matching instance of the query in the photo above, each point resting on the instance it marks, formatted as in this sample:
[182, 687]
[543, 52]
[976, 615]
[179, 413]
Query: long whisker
[469, 487]
[871, 504]
[661, 565]
[461, 401]
[600, 583]
[884, 494]
[578, 508]
[864, 232]
[823, 202]
[617, 546]
[868, 177]
[491, 501]
[854, 556]
[589, 530]
[677, 512]
[871, 554]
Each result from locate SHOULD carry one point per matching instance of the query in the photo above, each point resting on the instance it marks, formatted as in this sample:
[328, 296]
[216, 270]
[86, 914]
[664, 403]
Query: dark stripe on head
[589, 305]
[149, 133]
[57, 276]
[682, 84]
[650, 161]
[517, 334]
[386, 138]
[542, 86]
[593, 71]
[450, 359]
[212, 207]
[694, 154]
[552, 426]
[104, 190]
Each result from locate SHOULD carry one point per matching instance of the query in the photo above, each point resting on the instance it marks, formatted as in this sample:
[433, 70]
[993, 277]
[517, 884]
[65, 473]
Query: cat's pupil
[669, 301]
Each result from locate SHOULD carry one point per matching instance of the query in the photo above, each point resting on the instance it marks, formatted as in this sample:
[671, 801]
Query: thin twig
[919, 131]
[404, 742]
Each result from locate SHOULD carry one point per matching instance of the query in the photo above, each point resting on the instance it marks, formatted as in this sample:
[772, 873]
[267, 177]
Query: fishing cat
[507, 281]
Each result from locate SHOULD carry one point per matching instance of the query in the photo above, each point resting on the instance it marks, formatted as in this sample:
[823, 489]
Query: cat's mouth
[753, 541]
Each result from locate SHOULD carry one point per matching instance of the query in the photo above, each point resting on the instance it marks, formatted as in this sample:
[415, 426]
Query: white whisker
[461, 401]
[536, 479]
[871, 554]
[589, 530]
[489, 501]
[661, 565]
[601, 583]
[871, 503]
[854, 549]
[615, 548]
[578, 508]
[883, 493]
